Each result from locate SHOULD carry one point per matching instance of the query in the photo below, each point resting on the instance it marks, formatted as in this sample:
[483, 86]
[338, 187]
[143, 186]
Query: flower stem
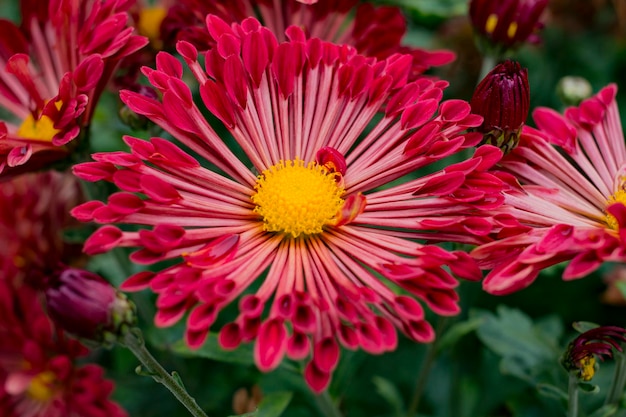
[572, 391]
[616, 390]
[489, 61]
[327, 405]
[427, 363]
[133, 340]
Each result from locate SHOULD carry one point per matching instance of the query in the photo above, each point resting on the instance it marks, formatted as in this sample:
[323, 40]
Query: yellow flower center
[41, 129]
[587, 368]
[512, 30]
[149, 25]
[491, 23]
[618, 197]
[41, 386]
[296, 199]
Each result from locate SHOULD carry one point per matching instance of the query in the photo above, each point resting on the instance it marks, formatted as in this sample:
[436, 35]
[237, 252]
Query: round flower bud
[503, 99]
[572, 90]
[87, 306]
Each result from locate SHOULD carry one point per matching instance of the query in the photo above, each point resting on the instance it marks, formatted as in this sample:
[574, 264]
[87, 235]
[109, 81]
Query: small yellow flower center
[41, 386]
[149, 25]
[512, 30]
[587, 368]
[491, 23]
[296, 199]
[41, 129]
[618, 197]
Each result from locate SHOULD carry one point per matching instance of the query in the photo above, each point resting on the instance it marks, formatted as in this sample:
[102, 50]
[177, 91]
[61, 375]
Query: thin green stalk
[616, 390]
[489, 61]
[572, 392]
[327, 405]
[134, 342]
[427, 364]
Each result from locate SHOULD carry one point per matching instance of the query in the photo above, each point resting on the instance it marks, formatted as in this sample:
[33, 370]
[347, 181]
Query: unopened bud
[87, 306]
[572, 90]
[503, 99]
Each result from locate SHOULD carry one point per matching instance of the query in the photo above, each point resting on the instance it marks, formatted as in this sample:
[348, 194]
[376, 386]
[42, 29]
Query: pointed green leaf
[390, 393]
[552, 391]
[605, 411]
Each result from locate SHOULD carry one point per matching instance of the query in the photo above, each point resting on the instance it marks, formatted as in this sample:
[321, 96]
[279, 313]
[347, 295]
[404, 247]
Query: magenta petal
[270, 345]
[103, 240]
[315, 378]
[326, 354]
[230, 336]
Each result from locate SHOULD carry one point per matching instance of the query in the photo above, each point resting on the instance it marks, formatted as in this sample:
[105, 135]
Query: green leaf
[584, 326]
[457, 331]
[211, 349]
[526, 348]
[274, 404]
[588, 388]
[605, 411]
[390, 393]
[621, 286]
[552, 391]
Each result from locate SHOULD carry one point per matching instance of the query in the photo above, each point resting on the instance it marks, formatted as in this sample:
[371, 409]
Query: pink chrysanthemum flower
[52, 72]
[373, 31]
[38, 374]
[298, 215]
[570, 206]
[33, 214]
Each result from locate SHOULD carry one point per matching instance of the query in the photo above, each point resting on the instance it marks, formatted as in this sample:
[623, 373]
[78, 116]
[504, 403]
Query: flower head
[506, 24]
[53, 70]
[373, 31]
[38, 373]
[34, 213]
[87, 306]
[570, 204]
[297, 211]
[503, 99]
[599, 342]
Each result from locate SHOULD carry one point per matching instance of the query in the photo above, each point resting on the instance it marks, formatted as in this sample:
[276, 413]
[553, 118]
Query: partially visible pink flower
[39, 376]
[570, 205]
[311, 224]
[52, 71]
[375, 31]
[33, 215]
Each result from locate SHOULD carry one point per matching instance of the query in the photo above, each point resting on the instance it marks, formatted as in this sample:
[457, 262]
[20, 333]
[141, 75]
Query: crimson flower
[506, 24]
[570, 204]
[34, 213]
[598, 342]
[304, 216]
[52, 71]
[373, 31]
[39, 376]
[503, 99]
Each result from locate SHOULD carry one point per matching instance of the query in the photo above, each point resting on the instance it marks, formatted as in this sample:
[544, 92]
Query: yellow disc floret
[41, 386]
[295, 199]
[150, 19]
[618, 197]
[41, 129]
[587, 368]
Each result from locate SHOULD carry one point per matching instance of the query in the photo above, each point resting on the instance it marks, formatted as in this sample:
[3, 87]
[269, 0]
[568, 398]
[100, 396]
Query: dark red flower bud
[503, 99]
[87, 306]
[505, 24]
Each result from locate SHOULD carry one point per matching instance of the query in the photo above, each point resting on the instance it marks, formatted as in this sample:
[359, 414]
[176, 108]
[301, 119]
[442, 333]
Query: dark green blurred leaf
[552, 391]
[439, 8]
[457, 331]
[390, 393]
[526, 348]
[274, 404]
[605, 411]
[621, 286]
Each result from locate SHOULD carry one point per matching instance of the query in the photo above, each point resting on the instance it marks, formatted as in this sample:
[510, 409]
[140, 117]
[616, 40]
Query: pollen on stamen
[609, 219]
[297, 199]
[41, 386]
